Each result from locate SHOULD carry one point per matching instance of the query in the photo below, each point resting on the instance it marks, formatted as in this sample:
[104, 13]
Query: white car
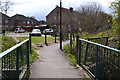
[48, 31]
[36, 32]
[19, 30]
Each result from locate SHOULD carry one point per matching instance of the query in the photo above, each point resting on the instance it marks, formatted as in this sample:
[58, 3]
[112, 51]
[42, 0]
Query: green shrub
[7, 42]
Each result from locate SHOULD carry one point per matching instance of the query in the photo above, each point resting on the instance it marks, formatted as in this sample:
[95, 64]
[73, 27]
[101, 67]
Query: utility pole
[60, 25]
[71, 27]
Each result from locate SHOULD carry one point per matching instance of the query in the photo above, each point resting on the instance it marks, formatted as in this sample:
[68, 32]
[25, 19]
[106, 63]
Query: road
[22, 35]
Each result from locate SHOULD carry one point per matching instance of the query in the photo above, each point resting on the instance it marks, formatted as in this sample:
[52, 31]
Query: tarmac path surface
[53, 63]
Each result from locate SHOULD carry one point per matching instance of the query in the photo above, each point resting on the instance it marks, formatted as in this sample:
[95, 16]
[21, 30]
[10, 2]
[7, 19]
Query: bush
[7, 42]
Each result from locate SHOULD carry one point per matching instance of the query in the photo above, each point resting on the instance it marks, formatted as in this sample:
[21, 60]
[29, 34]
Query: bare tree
[91, 17]
[5, 5]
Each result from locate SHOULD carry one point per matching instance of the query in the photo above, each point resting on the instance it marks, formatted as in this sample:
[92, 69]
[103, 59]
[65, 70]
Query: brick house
[27, 23]
[18, 20]
[6, 22]
[68, 16]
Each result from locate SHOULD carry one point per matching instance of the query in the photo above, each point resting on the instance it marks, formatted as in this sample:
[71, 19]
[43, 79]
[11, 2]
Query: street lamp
[60, 25]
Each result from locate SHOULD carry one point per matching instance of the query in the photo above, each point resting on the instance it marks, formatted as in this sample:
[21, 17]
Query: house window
[54, 17]
[28, 22]
[6, 21]
[24, 22]
[32, 22]
[6, 25]
[0, 21]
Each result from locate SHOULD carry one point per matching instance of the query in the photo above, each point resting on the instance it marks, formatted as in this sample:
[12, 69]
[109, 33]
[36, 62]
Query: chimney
[71, 9]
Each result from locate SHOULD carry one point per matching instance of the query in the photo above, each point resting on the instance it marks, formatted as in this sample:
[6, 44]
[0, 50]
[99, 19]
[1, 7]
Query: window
[0, 21]
[6, 21]
[28, 22]
[6, 25]
[32, 22]
[24, 22]
[54, 17]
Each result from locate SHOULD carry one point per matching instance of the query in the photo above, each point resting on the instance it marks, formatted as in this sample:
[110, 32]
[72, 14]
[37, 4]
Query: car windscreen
[36, 30]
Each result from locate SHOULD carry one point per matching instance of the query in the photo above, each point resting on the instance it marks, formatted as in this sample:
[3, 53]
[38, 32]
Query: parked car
[48, 31]
[19, 30]
[36, 32]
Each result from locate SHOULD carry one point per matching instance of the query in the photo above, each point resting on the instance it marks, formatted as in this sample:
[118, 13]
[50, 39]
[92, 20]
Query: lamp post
[71, 28]
[60, 25]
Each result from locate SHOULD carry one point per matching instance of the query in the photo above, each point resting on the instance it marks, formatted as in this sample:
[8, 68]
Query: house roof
[22, 17]
[19, 17]
[4, 16]
[67, 11]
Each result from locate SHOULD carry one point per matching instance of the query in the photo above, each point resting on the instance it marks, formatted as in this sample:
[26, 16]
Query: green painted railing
[15, 61]
[101, 62]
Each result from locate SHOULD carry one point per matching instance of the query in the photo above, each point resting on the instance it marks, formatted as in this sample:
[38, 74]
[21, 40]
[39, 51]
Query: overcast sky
[40, 8]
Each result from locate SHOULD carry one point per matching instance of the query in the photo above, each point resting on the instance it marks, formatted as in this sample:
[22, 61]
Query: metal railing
[15, 61]
[99, 61]
[100, 40]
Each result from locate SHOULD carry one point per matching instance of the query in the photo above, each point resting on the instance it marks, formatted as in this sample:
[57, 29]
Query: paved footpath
[52, 63]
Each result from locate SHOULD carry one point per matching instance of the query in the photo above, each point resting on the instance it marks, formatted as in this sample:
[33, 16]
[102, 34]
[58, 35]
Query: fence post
[17, 64]
[77, 39]
[71, 42]
[106, 41]
[79, 52]
[96, 73]
[30, 41]
[55, 37]
[28, 68]
[1, 64]
[45, 38]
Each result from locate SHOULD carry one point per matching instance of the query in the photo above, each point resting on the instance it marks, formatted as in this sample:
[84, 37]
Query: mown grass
[37, 39]
[6, 32]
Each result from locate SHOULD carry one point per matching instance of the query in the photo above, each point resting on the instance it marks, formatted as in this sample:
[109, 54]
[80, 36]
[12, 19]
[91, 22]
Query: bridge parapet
[99, 60]
[14, 62]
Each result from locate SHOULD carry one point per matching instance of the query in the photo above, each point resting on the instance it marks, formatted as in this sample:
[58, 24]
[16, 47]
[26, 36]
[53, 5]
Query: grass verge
[73, 60]
[37, 39]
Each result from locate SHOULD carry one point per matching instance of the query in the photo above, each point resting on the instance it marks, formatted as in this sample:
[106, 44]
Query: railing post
[1, 64]
[106, 41]
[45, 38]
[77, 39]
[17, 64]
[79, 52]
[96, 73]
[30, 41]
[55, 37]
[118, 66]
[28, 68]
